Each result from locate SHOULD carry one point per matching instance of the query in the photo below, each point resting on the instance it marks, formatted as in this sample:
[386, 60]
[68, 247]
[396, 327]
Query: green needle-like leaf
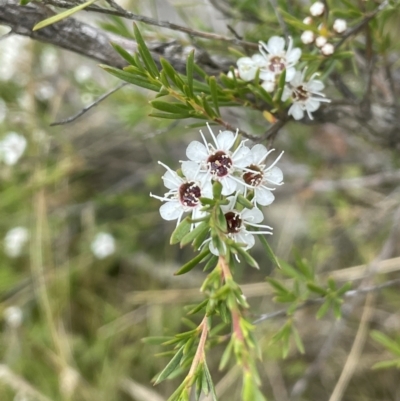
[180, 231]
[189, 72]
[172, 365]
[61, 16]
[194, 233]
[193, 263]
[145, 53]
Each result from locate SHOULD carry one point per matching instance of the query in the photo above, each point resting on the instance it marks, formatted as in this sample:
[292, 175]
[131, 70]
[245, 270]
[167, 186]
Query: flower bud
[268, 86]
[339, 25]
[317, 9]
[320, 41]
[307, 37]
[327, 49]
[308, 20]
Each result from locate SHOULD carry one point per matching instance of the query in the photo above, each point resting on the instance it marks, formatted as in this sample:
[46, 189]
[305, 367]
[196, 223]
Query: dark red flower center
[189, 194]
[220, 164]
[300, 93]
[233, 221]
[254, 177]
[276, 64]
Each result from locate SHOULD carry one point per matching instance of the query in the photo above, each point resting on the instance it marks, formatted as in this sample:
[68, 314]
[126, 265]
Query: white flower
[340, 25]
[327, 49]
[184, 193]
[320, 41]
[103, 245]
[12, 147]
[269, 86]
[317, 9]
[239, 223]
[307, 37]
[278, 59]
[13, 316]
[259, 178]
[306, 96]
[15, 240]
[218, 160]
[308, 20]
[248, 66]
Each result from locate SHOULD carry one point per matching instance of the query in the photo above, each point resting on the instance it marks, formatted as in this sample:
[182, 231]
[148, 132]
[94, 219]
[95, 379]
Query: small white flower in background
[339, 25]
[12, 148]
[307, 37]
[13, 316]
[15, 240]
[103, 245]
[306, 96]
[83, 73]
[321, 41]
[327, 49]
[308, 20]
[278, 59]
[239, 223]
[218, 161]
[317, 9]
[259, 178]
[184, 193]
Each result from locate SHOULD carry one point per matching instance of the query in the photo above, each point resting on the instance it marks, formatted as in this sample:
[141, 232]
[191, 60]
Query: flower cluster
[239, 169]
[270, 63]
[321, 39]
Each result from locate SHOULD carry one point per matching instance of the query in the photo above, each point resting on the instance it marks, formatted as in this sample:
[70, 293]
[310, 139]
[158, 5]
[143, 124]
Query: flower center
[220, 164]
[254, 177]
[189, 194]
[234, 222]
[277, 64]
[300, 93]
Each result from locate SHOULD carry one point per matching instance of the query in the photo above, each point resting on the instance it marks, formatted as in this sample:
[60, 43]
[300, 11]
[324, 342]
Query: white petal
[276, 44]
[171, 210]
[312, 104]
[190, 170]
[172, 180]
[206, 190]
[225, 140]
[245, 238]
[263, 196]
[268, 86]
[244, 61]
[315, 85]
[290, 73]
[268, 76]
[286, 94]
[297, 79]
[275, 175]
[259, 153]
[293, 56]
[228, 186]
[252, 215]
[230, 206]
[214, 250]
[196, 151]
[296, 111]
[258, 60]
[242, 157]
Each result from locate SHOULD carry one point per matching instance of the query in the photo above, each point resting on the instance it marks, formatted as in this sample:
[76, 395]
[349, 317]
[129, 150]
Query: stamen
[276, 161]
[213, 136]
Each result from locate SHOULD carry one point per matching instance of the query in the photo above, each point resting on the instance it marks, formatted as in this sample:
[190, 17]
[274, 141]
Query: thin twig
[360, 25]
[281, 21]
[233, 129]
[355, 353]
[121, 12]
[90, 106]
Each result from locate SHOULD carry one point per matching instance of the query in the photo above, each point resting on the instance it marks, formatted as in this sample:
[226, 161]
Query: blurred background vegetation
[72, 322]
